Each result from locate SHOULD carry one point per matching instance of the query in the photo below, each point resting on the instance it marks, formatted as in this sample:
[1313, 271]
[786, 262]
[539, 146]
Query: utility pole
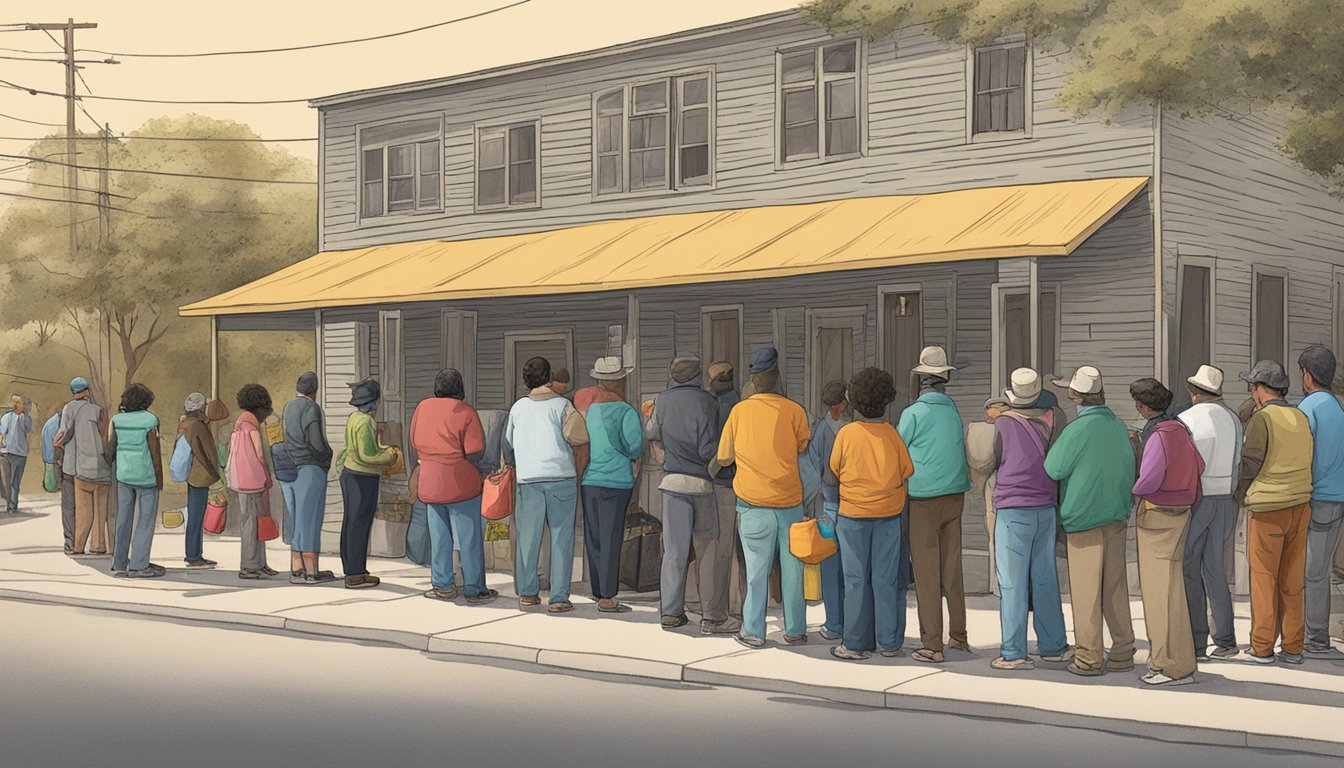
[104, 239]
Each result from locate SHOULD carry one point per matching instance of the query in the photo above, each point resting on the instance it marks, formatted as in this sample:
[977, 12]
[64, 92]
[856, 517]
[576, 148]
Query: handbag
[173, 518]
[807, 544]
[267, 530]
[497, 494]
[51, 483]
[216, 513]
[811, 582]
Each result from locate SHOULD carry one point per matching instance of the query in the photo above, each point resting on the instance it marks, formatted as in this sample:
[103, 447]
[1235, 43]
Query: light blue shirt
[931, 429]
[15, 428]
[1326, 417]
[49, 431]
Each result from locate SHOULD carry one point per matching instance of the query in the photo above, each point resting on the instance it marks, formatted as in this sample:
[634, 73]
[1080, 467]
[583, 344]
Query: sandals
[841, 652]
[928, 656]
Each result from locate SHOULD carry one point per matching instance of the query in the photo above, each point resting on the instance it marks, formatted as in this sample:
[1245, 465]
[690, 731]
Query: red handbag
[497, 494]
[267, 530]
[215, 516]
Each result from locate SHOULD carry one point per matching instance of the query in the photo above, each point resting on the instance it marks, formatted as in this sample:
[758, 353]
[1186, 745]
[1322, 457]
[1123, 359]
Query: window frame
[1202, 261]
[506, 127]
[668, 84]
[820, 79]
[1028, 92]
[1337, 307]
[674, 82]
[415, 139]
[1000, 291]
[1258, 271]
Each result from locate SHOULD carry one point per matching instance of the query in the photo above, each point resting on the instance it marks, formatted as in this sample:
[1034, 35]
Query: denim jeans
[460, 522]
[1322, 540]
[765, 533]
[833, 578]
[554, 505]
[135, 532]
[306, 500]
[874, 603]
[1024, 555]
[14, 465]
[197, 498]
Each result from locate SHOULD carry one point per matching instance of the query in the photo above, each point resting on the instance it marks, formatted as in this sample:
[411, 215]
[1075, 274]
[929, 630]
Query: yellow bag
[173, 519]
[275, 431]
[811, 582]
[807, 544]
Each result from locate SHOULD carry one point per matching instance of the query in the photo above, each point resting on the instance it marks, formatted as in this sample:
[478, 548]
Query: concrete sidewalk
[1274, 707]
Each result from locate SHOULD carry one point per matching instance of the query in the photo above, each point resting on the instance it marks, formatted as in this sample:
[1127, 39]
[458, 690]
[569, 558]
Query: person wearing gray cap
[205, 472]
[66, 446]
[305, 447]
[1276, 462]
[1326, 418]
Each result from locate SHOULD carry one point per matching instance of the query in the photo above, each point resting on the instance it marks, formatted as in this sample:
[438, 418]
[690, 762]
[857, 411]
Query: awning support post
[214, 357]
[1034, 289]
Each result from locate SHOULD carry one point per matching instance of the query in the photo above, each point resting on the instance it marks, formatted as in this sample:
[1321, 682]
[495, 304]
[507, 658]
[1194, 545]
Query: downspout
[1155, 192]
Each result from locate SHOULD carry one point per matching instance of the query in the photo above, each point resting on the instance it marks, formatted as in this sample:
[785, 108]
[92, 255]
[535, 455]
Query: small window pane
[429, 191]
[982, 66]
[490, 187]
[609, 173]
[655, 166]
[522, 143]
[800, 141]
[611, 102]
[840, 99]
[650, 98]
[523, 183]
[695, 127]
[429, 157]
[1017, 66]
[998, 68]
[492, 152]
[609, 134]
[638, 132]
[401, 195]
[982, 113]
[800, 106]
[842, 136]
[657, 131]
[695, 92]
[799, 67]
[373, 199]
[840, 58]
[1016, 107]
[636, 172]
[401, 160]
[373, 164]
[695, 165]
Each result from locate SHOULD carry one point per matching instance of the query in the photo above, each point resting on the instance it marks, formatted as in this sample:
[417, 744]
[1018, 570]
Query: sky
[533, 30]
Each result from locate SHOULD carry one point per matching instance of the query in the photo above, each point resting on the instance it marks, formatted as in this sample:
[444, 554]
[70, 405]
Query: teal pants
[765, 532]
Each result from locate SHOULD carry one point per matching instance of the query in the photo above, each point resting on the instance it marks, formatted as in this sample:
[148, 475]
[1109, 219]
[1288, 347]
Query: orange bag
[807, 544]
[267, 529]
[497, 494]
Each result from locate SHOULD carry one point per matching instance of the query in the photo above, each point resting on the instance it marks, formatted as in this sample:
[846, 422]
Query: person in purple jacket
[1168, 487]
[1024, 527]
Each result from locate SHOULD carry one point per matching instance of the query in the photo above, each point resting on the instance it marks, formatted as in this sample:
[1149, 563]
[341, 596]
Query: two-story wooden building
[765, 182]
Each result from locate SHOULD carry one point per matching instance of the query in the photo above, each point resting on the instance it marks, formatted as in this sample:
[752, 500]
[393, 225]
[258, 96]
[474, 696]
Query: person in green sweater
[361, 463]
[1094, 464]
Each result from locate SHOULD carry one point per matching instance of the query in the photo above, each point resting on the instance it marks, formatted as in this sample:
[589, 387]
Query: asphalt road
[91, 688]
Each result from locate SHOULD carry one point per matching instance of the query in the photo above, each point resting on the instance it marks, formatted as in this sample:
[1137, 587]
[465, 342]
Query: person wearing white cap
[931, 429]
[1217, 433]
[1094, 463]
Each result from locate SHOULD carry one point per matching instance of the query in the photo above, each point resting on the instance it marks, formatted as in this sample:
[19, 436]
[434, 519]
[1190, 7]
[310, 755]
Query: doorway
[556, 346]
[902, 339]
[721, 339]
[1194, 317]
[835, 350]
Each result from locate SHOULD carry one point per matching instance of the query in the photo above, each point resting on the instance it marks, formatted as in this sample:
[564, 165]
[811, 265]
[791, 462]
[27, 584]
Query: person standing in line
[1326, 419]
[1168, 487]
[93, 479]
[824, 430]
[1217, 433]
[306, 447]
[15, 425]
[872, 466]
[133, 448]
[250, 477]
[204, 472]
[49, 429]
[931, 429]
[560, 382]
[764, 436]
[449, 439]
[982, 464]
[1093, 460]
[616, 444]
[727, 551]
[540, 439]
[1025, 500]
[361, 462]
[684, 420]
[66, 447]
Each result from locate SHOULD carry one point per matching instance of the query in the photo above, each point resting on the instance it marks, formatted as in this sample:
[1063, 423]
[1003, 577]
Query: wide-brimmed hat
[1208, 378]
[1266, 372]
[1085, 381]
[610, 369]
[933, 362]
[1024, 387]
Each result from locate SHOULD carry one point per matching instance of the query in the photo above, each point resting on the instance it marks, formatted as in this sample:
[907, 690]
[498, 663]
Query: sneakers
[1224, 653]
[488, 596]
[1068, 654]
[725, 627]
[249, 575]
[827, 634]
[435, 593]
[1289, 658]
[748, 641]
[1251, 657]
[269, 571]
[1328, 653]
[672, 622]
[841, 652]
[147, 573]
[795, 639]
[361, 581]
[299, 577]
[1158, 678]
[201, 563]
[1014, 665]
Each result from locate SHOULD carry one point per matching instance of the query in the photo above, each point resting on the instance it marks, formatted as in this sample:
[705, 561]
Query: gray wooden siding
[916, 137]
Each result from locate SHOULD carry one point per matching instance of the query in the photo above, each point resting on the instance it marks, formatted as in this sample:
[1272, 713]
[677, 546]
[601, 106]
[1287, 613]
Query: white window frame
[739, 374]
[514, 378]
[668, 133]
[415, 140]
[675, 83]
[621, 152]
[820, 78]
[508, 204]
[1028, 95]
[998, 291]
[1257, 271]
[1204, 261]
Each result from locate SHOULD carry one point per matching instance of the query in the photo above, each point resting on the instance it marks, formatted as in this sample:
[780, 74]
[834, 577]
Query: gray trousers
[1322, 538]
[13, 468]
[687, 519]
[709, 583]
[254, 551]
[68, 511]
[1212, 524]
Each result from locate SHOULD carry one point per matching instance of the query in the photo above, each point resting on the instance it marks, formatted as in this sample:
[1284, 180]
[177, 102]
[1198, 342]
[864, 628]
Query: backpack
[179, 467]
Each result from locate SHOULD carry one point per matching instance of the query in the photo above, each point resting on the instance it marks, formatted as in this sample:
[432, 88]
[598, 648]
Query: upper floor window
[507, 171]
[819, 102]
[400, 168]
[654, 135]
[1000, 89]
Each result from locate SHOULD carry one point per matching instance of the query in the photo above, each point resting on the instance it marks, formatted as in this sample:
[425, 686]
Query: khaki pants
[91, 504]
[935, 552]
[1098, 588]
[1277, 550]
[1161, 541]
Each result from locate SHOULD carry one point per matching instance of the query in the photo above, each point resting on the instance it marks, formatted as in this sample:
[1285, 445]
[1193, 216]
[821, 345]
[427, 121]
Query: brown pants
[1099, 588]
[1277, 551]
[1161, 540]
[91, 516]
[935, 553]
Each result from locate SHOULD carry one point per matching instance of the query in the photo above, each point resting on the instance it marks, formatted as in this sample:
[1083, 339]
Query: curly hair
[255, 399]
[1151, 393]
[137, 397]
[871, 391]
[537, 372]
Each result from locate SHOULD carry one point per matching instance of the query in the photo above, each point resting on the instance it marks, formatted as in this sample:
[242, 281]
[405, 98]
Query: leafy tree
[1196, 56]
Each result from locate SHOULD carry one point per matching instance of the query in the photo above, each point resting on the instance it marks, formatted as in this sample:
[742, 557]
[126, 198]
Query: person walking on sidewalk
[361, 462]
[1276, 483]
[615, 445]
[204, 472]
[66, 447]
[93, 479]
[1326, 419]
[1168, 487]
[540, 439]
[1217, 433]
[15, 425]
[250, 478]
[448, 438]
[133, 447]
[764, 436]
[1025, 500]
[1093, 461]
[684, 420]
[718, 598]
[931, 428]
[306, 447]
[872, 466]
[824, 429]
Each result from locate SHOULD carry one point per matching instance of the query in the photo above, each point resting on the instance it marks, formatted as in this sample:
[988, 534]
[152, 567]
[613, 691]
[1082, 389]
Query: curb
[624, 666]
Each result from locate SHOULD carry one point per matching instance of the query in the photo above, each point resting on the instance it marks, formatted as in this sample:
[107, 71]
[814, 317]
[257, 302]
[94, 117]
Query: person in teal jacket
[615, 443]
[1094, 463]
[931, 428]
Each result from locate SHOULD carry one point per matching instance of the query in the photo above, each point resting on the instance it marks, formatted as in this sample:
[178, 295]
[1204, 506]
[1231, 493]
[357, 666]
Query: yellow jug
[812, 581]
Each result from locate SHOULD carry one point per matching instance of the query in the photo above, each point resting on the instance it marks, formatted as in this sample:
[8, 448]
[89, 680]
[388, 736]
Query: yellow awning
[687, 248]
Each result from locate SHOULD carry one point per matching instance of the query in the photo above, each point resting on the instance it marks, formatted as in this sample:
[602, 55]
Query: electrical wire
[158, 173]
[62, 186]
[32, 122]
[134, 100]
[163, 138]
[71, 202]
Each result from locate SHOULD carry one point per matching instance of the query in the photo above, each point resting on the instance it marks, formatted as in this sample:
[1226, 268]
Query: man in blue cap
[66, 448]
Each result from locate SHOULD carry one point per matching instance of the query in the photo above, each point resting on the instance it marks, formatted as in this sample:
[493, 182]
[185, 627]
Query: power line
[69, 202]
[310, 46]
[161, 173]
[165, 138]
[131, 99]
[59, 186]
[32, 122]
